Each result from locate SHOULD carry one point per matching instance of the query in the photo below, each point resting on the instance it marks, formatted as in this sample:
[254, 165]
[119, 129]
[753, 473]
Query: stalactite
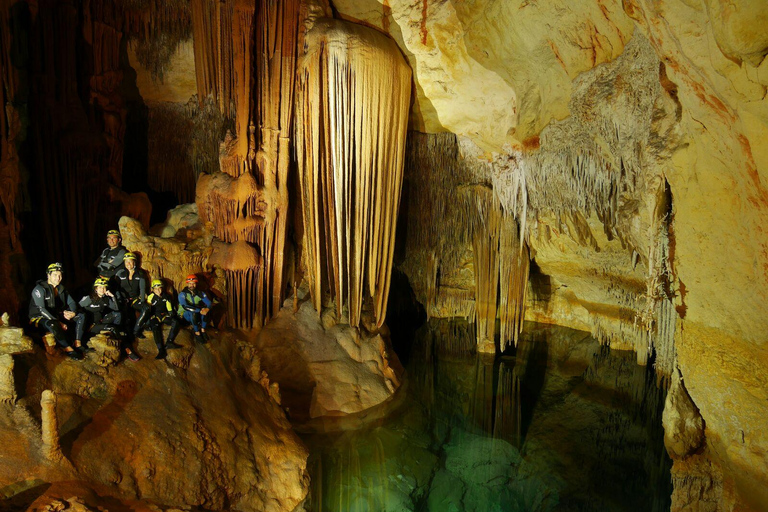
[249, 52]
[595, 160]
[243, 14]
[224, 61]
[169, 132]
[244, 270]
[209, 126]
[189, 132]
[455, 208]
[659, 317]
[10, 128]
[76, 124]
[276, 53]
[155, 29]
[352, 109]
[438, 221]
[501, 273]
[213, 39]
[102, 34]
[603, 160]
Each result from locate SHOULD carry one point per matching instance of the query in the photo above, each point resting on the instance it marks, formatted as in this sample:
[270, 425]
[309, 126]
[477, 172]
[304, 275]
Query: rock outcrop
[326, 368]
[193, 431]
[683, 426]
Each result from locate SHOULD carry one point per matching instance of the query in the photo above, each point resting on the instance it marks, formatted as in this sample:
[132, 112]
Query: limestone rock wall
[635, 129]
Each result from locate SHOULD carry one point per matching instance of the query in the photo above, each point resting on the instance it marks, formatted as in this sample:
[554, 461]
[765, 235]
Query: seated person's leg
[157, 332]
[79, 328]
[175, 327]
[143, 309]
[54, 327]
[113, 319]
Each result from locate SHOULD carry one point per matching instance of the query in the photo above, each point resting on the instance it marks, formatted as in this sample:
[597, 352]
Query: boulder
[326, 368]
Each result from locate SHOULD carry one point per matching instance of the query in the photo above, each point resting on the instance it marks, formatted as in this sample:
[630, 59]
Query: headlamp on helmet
[54, 267]
[157, 282]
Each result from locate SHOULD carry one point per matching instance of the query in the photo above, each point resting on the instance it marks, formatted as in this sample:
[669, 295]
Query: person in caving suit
[101, 305]
[195, 305]
[53, 309]
[133, 295]
[161, 312]
[111, 259]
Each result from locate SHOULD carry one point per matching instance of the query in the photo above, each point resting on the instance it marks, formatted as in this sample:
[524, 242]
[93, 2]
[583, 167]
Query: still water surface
[563, 424]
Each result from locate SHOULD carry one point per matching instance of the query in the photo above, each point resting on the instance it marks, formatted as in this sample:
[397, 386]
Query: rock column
[7, 386]
[51, 446]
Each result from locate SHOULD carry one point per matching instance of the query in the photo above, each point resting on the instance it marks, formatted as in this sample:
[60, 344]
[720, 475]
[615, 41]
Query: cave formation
[338, 171]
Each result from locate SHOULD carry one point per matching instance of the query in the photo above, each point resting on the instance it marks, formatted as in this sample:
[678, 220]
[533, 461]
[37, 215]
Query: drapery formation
[245, 55]
[352, 110]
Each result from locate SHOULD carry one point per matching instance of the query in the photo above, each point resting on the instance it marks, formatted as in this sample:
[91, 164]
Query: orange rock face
[154, 432]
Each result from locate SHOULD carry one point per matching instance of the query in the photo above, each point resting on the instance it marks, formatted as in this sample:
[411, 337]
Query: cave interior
[446, 243]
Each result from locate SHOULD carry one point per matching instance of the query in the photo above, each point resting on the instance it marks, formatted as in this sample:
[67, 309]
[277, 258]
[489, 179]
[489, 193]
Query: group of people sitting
[118, 304]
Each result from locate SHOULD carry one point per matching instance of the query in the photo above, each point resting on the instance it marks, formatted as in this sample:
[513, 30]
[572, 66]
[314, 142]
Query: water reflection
[564, 424]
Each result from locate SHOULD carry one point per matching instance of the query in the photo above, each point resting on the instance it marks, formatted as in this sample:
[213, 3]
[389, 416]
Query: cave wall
[683, 231]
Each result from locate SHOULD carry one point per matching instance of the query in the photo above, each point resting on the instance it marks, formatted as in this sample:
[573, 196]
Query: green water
[563, 424]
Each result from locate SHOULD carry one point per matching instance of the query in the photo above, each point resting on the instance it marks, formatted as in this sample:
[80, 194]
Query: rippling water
[563, 424]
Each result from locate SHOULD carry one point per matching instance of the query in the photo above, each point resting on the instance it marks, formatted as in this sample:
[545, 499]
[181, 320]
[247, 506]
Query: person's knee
[50, 325]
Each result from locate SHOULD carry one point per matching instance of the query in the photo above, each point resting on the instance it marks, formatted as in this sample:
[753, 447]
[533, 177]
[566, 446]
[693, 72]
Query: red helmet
[191, 278]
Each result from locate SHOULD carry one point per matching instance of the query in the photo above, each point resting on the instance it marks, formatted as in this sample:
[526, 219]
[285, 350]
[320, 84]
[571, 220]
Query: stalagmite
[352, 110]
[50, 427]
[7, 384]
